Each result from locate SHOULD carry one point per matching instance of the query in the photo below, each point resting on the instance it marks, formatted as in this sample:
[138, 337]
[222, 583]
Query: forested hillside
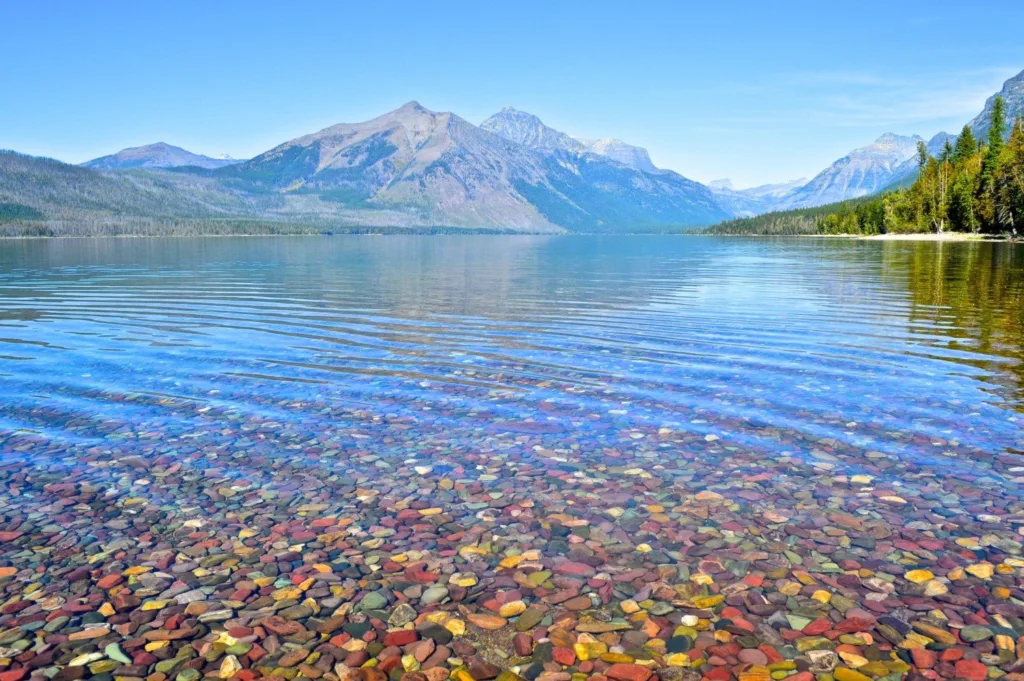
[975, 186]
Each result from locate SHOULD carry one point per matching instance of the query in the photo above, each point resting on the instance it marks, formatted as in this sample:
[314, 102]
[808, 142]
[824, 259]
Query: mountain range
[414, 168]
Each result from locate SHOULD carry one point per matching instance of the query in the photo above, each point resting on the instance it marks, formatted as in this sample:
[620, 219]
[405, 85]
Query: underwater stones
[512, 609]
[486, 621]
[974, 633]
[387, 545]
[972, 670]
[373, 601]
[627, 672]
[919, 576]
[402, 614]
[529, 618]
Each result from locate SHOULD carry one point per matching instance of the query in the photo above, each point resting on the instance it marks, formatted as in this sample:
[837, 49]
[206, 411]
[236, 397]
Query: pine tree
[988, 196]
[966, 146]
[947, 152]
[962, 215]
[998, 126]
[995, 143]
[922, 155]
[1010, 179]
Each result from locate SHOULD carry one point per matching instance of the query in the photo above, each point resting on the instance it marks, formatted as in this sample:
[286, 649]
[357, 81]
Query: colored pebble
[548, 551]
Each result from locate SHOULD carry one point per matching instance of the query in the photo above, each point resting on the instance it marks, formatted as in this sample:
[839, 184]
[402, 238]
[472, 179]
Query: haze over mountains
[414, 168]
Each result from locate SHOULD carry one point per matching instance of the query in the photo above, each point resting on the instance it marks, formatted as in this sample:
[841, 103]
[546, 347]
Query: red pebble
[571, 568]
[523, 644]
[923, 658]
[563, 656]
[817, 627]
[627, 672]
[389, 663]
[972, 670]
[718, 674]
[400, 637]
[109, 581]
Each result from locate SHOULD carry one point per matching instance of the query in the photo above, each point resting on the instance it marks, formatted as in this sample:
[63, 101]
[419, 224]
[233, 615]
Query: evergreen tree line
[975, 186]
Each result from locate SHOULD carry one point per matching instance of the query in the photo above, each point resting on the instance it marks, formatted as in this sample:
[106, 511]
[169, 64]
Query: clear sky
[754, 91]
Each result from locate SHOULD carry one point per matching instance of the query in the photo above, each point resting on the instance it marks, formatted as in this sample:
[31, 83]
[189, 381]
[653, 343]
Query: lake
[583, 427]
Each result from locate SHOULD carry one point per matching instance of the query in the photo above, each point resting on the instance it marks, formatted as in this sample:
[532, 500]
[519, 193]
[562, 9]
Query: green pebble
[114, 652]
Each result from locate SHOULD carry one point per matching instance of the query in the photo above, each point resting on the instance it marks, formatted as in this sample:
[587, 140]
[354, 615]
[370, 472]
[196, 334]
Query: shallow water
[901, 348]
[622, 458]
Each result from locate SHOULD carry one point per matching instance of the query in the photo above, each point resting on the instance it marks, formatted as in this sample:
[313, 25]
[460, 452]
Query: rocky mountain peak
[1013, 99]
[529, 130]
[892, 139]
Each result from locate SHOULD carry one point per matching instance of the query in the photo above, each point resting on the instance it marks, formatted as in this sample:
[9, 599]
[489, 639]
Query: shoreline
[943, 237]
[953, 237]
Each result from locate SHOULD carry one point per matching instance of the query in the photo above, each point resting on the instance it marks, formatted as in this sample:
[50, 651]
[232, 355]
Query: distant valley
[413, 169]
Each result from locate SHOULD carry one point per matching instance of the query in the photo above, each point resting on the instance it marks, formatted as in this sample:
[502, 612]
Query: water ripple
[797, 346]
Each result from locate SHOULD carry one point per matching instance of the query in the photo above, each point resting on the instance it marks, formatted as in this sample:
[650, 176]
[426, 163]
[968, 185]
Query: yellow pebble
[804, 578]
[287, 593]
[919, 576]
[677, 660]
[790, 589]
[853, 660]
[511, 562]
[464, 579]
[980, 570]
[589, 650]
[821, 596]
[229, 667]
[755, 673]
[708, 601]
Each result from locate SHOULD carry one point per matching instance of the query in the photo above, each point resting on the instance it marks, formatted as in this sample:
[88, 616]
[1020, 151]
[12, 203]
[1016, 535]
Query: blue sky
[758, 92]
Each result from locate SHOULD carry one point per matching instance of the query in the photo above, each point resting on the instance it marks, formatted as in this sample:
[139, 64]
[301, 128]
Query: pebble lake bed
[554, 458]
